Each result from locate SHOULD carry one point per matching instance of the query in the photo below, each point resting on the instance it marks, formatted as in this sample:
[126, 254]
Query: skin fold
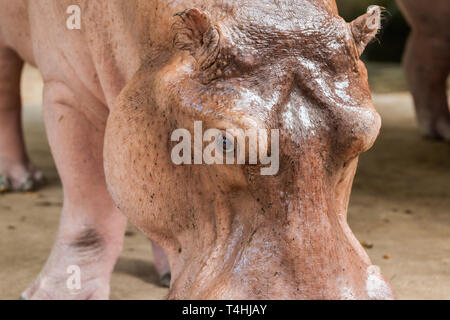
[427, 64]
[138, 70]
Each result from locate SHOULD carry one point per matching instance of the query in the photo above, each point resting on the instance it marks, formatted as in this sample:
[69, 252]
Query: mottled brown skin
[427, 63]
[139, 70]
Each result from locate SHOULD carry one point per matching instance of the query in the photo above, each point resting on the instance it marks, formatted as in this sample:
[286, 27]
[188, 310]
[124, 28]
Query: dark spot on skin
[88, 240]
[11, 228]
[179, 250]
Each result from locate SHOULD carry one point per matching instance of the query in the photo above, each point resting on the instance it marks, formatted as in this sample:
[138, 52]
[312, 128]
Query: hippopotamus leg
[427, 63]
[162, 265]
[17, 173]
[91, 229]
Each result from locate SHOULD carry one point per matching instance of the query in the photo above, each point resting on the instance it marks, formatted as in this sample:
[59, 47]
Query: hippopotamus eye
[226, 141]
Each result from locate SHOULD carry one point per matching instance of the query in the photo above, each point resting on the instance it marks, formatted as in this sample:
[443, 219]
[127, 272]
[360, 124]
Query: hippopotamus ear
[196, 34]
[366, 27]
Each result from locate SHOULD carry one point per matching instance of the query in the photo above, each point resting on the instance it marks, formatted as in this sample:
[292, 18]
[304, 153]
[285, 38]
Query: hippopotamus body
[116, 89]
[427, 63]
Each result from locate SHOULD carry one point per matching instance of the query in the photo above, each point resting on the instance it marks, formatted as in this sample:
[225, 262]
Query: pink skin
[427, 64]
[215, 251]
[75, 111]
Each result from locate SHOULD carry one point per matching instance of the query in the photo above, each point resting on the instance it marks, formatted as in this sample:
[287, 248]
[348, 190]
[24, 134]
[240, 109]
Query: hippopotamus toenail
[5, 184]
[165, 280]
[28, 185]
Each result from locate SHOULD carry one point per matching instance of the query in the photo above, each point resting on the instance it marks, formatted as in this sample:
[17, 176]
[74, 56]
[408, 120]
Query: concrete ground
[400, 210]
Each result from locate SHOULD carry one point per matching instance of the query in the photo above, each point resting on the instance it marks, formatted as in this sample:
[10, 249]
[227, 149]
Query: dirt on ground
[400, 210]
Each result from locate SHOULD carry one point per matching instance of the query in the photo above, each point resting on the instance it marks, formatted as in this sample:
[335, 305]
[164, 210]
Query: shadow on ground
[138, 268]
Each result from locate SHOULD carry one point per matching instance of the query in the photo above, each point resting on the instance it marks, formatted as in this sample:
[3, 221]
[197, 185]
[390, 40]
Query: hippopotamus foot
[162, 265]
[73, 273]
[18, 177]
[165, 280]
[434, 130]
[443, 128]
[88, 244]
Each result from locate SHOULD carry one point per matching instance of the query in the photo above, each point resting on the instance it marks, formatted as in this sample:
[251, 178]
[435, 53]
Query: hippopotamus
[116, 89]
[427, 64]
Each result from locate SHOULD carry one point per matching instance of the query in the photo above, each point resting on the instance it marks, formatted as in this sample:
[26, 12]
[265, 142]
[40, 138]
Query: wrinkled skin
[116, 90]
[427, 64]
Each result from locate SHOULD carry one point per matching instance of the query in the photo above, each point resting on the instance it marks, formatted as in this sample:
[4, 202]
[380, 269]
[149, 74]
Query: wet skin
[230, 232]
[129, 78]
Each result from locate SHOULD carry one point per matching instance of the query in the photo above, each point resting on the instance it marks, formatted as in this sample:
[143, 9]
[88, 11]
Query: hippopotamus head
[234, 230]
